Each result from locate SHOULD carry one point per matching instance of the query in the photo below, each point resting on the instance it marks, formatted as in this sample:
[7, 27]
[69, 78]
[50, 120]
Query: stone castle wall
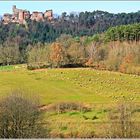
[19, 16]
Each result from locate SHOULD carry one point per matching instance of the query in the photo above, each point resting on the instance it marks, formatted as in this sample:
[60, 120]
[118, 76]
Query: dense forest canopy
[98, 39]
[84, 23]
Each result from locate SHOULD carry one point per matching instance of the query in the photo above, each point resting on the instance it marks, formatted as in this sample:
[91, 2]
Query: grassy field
[100, 89]
[82, 85]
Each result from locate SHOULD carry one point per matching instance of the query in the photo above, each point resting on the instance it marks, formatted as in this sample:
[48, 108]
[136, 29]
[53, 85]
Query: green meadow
[101, 90]
[78, 85]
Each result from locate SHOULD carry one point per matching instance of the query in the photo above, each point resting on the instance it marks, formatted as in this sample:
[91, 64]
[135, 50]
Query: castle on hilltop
[20, 16]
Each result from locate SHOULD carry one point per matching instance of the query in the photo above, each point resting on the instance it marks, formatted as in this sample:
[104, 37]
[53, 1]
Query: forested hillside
[97, 39]
[84, 23]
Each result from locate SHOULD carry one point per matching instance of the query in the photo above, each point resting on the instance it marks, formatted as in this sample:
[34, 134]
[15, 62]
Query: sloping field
[75, 99]
[82, 85]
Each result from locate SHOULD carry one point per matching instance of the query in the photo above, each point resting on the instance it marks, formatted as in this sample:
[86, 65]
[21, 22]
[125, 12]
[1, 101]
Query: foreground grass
[100, 89]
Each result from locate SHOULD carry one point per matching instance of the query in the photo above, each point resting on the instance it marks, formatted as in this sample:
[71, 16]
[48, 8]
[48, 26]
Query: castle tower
[48, 14]
[21, 16]
[14, 9]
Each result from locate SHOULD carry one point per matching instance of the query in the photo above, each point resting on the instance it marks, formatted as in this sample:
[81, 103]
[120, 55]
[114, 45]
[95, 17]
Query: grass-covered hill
[77, 98]
[78, 85]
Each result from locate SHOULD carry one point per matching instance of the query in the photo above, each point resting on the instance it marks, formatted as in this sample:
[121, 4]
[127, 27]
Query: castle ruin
[20, 16]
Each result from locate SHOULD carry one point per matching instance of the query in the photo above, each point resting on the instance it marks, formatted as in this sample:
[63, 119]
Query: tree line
[67, 51]
[124, 33]
[75, 24]
[116, 49]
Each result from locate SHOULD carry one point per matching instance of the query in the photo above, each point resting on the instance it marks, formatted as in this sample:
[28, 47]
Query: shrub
[68, 106]
[122, 125]
[20, 118]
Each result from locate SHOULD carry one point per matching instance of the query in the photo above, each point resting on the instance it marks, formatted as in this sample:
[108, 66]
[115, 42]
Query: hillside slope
[82, 85]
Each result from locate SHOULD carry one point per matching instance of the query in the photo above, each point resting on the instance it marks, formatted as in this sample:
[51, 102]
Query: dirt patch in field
[39, 70]
[64, 107]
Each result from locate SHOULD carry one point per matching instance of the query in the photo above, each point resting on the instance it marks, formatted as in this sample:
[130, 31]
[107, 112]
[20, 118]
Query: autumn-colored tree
[126, 62]
[57, 55]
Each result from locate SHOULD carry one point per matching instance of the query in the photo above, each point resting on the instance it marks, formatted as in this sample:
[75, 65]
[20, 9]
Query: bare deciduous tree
[122, 125]
[20, 118]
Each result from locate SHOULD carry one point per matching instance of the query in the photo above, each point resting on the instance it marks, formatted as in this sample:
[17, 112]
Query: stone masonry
[20, 16]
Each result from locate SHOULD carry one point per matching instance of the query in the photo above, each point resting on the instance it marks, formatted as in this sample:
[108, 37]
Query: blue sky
[70, 6]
